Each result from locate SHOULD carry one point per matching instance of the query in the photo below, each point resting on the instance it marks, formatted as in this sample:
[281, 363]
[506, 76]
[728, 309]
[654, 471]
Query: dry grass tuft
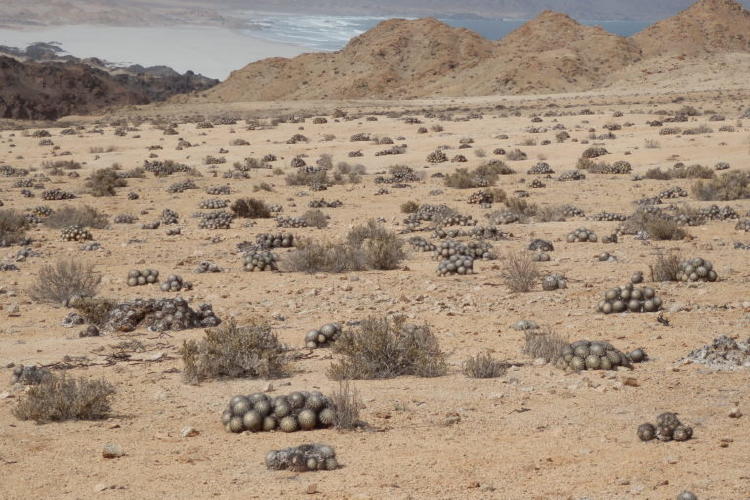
[85, 216]
[316, 257]
[729, 186]
[12, 227]
[382, 249]
[232, 351]
[346, 403]
[521, 272]
[57, 399]
[483, 365]
[315, 218]
[386, 348]
[666, 267]
[544, 344]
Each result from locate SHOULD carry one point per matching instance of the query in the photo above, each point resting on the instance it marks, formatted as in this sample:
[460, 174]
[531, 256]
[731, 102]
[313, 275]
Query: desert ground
[535, 432]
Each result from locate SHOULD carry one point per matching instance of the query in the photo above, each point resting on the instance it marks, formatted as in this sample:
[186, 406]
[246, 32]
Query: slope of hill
[397, 58]
[46, 91]
[708, 26]
[551, 53]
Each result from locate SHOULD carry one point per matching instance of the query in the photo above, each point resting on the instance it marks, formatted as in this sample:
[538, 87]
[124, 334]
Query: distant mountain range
[229, 12]
[550, 54]
[41, 82]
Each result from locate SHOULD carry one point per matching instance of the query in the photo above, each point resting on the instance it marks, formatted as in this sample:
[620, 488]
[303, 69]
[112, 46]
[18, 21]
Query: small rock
[312, 489]
[188, 431]
[735, 413]
[112, 450]
[540, 362]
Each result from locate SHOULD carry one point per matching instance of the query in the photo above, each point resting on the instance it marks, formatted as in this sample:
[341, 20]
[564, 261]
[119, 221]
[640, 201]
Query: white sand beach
[211, 51]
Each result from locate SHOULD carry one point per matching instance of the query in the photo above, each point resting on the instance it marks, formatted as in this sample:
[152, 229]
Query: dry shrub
[690, 172]
[104, 181]
[315, 218]
[85, 216]
[64, 281]
[666, 267]
[409, 207]
[345, 172]
[250, 208]
[346, 403]
[315, 257]
[263, 186]
[659, 228]
[554, 213]
[729, 186]
[303, 178]
[12, 227]
[383, 250]
[232, 351]
[520, 273]
[544, 344]
[522, 208]
[462, 178]
[386, 348]
[95, 311]
[483, 365]
[57, 399]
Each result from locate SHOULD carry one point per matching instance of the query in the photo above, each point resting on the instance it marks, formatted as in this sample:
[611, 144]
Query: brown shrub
[85, 216]
[250, 208]
[12, 227]
[483, 365]
[346, 403]
[64, 281]
[409, 207]
[314, 257]
[382, 249]
[543, 344]
[729, 186]
[104, 181]
[232, 351]
[520, 272]
[58, 398]
[666, 267]
[315, 218]
[386, 348]
[94, 310]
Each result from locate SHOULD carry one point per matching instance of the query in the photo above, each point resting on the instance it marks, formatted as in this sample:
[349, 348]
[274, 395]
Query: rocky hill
[708, 26]
[39, 82]
[551, 53]
[46, 91]
[396, 59]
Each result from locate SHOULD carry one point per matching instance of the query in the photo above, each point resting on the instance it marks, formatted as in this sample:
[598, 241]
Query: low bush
[409, 207]
[250, 208]
[382, 249]
[385, 348]
[346, 403]
[315, 218]
[666, 267]
[520, 272]
[483, 365]
[727, 187]
[543, 344]
[60, 398]
[232, 351]
[12, 227]
[104, 181]
[315, 257]
[64, 281]
[85, 216]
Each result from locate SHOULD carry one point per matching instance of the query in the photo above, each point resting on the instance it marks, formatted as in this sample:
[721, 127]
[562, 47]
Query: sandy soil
[537, 432]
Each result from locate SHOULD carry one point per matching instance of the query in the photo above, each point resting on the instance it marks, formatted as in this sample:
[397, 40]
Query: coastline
[212, 51]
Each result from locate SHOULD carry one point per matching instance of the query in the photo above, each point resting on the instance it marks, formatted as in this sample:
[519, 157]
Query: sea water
[329, 33]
